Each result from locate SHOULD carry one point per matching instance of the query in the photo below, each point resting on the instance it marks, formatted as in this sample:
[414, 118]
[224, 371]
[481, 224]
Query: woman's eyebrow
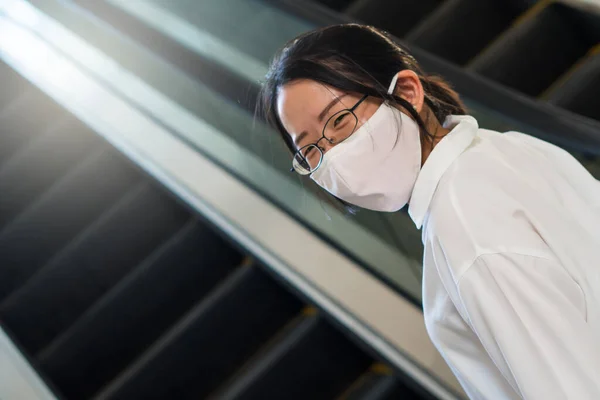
[326, 110]
[333, 103]
[299, 138]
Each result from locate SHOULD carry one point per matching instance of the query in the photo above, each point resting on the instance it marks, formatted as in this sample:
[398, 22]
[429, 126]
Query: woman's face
[305, 106]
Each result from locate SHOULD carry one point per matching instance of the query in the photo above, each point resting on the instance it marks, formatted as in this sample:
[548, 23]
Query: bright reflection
[21, 12]
[19, 44]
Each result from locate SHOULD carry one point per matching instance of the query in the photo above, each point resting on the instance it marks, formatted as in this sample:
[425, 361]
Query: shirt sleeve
[530, 317]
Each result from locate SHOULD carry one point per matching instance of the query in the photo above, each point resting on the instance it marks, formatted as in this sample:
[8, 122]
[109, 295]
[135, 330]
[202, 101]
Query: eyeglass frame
[316, 144]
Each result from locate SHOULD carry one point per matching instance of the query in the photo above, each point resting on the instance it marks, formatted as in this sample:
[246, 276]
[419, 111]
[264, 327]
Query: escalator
[545, 49]
[114, 289]
[117, 286]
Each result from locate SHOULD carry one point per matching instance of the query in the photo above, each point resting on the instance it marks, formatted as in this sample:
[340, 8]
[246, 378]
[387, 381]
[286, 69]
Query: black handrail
[561, 127]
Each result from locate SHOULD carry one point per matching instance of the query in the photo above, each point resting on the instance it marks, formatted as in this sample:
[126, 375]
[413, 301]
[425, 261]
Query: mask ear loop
[393, 84]
[391, 90]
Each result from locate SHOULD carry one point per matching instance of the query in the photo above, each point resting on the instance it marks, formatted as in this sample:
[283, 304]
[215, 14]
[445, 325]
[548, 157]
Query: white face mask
[377, 166]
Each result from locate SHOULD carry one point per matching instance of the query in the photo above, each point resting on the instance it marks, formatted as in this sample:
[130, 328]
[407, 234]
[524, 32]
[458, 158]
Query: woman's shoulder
[478, 204]
[497, 163]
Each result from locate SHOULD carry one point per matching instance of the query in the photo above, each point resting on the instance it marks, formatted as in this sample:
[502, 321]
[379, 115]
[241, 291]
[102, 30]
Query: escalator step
[134, 313]
[95, 261]
[459, 29]
[580, 92]
[310, 361]
[537, 51]
[207, 345]
[379, 384]
[64, 210]
[32, 171]
[28, 117]
[396, 17]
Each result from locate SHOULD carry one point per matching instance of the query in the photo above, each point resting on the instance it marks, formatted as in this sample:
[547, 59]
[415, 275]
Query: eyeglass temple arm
[359, 102]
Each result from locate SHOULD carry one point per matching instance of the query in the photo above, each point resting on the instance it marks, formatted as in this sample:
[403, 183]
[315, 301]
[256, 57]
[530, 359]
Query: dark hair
[357, 59]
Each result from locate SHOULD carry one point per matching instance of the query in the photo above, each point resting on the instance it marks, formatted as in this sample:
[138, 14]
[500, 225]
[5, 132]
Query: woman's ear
[409, 87]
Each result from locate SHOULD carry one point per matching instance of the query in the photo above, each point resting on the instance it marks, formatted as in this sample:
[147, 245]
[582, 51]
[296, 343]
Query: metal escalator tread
[206, 345]
[459, 29]
[63, 211]
[95, 261]
[129, 318]
[33, 170]
[28, 117]
[312, 360]
[537, 51]
[396, 17]
[580, 92]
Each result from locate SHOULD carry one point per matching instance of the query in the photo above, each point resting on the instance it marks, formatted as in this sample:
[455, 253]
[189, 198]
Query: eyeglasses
[338, 128]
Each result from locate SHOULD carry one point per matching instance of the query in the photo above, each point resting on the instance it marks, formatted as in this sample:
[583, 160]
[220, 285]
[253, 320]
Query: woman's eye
[339, 120]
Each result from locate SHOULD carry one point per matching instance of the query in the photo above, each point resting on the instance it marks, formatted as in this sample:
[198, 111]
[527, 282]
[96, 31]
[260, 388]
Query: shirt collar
[443, 155]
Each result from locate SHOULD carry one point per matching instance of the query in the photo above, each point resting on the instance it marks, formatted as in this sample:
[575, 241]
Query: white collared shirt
[511, 280]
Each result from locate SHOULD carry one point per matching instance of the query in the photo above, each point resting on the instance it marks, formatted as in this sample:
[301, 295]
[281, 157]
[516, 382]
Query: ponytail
[441, 98]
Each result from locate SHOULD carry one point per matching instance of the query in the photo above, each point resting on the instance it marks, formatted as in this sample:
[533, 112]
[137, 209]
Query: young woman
[511, 224]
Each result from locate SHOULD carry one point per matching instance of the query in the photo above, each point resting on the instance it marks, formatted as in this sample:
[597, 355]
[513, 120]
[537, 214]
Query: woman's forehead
[304, 99]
